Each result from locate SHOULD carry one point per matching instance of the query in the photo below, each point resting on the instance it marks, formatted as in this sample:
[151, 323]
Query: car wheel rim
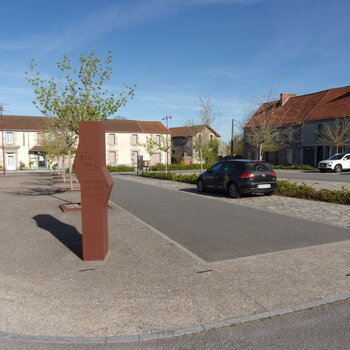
[200, 186]
[232, 191]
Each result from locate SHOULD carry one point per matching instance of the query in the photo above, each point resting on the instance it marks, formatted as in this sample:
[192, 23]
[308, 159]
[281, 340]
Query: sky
[233, 52]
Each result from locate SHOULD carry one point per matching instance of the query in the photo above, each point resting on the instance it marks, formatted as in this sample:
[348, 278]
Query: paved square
[217, 230]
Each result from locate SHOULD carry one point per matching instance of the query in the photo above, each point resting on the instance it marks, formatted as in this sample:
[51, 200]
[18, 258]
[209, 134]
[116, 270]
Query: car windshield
[337, 156]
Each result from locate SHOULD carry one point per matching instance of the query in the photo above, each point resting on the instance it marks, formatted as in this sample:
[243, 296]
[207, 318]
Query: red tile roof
[185, 131]
[30, 123]
[27, 123]
[124, 125]
[331, 103]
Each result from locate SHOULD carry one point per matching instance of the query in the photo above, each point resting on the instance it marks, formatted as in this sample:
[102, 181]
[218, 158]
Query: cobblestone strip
[326, 213]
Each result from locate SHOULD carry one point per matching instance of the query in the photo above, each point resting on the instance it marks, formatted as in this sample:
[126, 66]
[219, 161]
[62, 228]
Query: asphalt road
[323, 328]
[217, 230]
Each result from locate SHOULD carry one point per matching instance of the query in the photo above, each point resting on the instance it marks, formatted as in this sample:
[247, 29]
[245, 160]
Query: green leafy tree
[55, 146]
[165, 146]
[210, 151]
[151, 146]
[78, 96]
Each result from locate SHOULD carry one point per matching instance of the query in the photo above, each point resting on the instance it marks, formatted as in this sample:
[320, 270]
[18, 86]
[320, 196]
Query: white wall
[123, 147]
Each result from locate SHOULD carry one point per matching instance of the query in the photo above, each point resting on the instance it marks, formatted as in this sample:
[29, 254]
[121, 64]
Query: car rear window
[233, 166]
[259, 166]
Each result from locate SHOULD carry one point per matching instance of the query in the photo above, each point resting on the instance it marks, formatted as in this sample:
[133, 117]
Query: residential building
[185, 138]
[124, 141]
[300, 119]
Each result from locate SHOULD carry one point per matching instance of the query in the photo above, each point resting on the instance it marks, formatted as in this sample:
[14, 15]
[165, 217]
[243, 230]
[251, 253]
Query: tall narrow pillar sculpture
[95, 186]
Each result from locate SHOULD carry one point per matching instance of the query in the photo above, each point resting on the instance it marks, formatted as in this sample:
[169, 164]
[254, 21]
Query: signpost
[95, 186]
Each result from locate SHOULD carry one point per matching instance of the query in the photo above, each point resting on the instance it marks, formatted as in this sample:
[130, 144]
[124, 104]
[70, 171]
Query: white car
[336, 163]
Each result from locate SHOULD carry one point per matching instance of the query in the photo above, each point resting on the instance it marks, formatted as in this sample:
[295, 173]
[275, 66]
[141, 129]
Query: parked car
[239, 176]
[336, 163]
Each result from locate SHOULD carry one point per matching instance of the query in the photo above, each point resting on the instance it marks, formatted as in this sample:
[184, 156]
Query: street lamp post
[2, 140]
[166, 118]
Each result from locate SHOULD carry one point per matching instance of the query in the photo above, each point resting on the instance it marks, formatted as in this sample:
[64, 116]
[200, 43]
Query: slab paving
[147, 283]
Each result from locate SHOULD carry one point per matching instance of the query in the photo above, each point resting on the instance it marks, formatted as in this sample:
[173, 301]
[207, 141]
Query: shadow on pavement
[66, 234]
[39, 191]
[218, 194]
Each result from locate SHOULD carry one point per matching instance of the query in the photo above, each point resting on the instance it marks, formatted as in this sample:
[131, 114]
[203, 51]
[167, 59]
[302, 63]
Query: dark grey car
[239, 176]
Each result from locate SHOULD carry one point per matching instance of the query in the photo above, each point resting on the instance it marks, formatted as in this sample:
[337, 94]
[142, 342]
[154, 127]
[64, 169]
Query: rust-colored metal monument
[96, 186]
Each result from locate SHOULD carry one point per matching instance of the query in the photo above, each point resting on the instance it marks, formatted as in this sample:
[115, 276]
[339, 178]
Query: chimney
[285, 97]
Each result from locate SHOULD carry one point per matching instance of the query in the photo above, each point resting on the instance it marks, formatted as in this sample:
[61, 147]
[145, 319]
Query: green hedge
[191, 179]
[294, 167]
[119, 168]
[161, 167]
[284, 188]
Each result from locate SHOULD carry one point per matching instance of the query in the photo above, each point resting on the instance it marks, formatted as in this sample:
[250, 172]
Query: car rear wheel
[200, 186]
[338, 168]
[233, 190]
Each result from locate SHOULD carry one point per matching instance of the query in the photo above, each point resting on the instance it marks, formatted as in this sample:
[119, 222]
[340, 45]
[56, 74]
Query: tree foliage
[151, 146]
[165, 146]
[79, 95]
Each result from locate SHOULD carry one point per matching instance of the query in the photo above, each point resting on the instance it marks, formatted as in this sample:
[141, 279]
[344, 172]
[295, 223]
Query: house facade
[184, 140]
[22, 136]
[301, 120]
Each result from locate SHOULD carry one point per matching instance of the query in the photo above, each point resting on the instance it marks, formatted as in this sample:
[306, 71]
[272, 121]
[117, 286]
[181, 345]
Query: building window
[24, 139]
[111, 139]
[112, 157]
[9, 138]
[211, 137]
[290, 136]
[134, 139]
[157, 139]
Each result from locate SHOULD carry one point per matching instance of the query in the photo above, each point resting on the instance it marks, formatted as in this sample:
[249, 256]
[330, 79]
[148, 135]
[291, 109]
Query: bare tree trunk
[166, 162]
[70, 170]
[201, 160]
[62, 168]
[260, 152]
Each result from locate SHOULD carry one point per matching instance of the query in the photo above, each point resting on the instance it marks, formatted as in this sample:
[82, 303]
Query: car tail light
[273, 174]
[247, 176]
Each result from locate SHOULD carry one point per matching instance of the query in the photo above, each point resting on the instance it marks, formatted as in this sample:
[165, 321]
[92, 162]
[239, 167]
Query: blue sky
[233, 51]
